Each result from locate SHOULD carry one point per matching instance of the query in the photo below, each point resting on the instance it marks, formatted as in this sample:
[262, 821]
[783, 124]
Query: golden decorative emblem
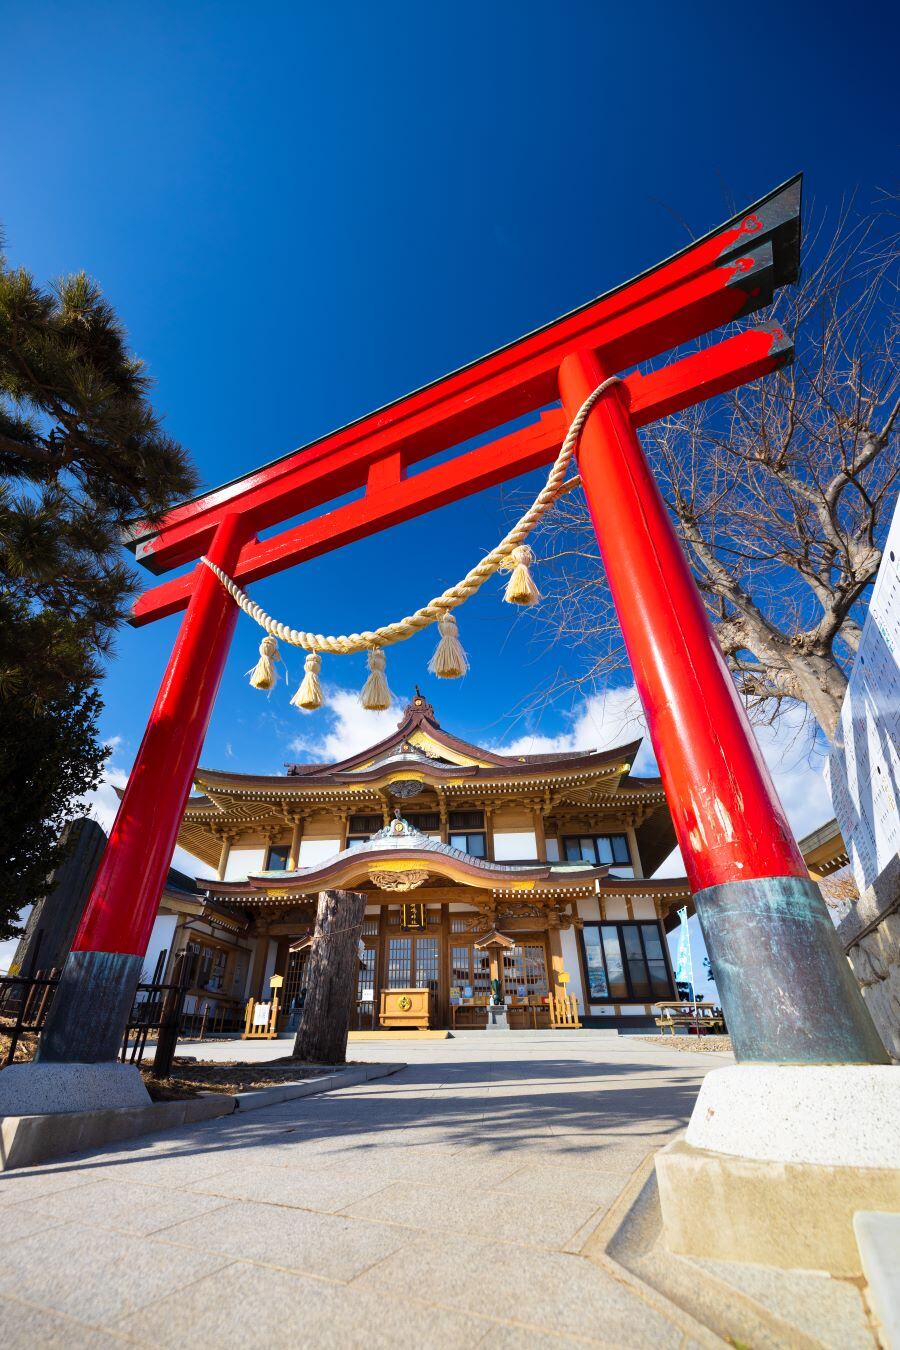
[395, 878]
[404, 1002]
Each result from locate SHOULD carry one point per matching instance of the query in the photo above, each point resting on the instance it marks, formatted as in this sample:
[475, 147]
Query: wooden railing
[563, 1011]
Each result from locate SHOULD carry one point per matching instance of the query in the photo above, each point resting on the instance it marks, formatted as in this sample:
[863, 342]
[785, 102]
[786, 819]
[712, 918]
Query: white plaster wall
[314, 851]
[160, 938]
[511, 845]
[589, 908]
[643, 909]
[569, 942]
[243, 862]
[616, 909]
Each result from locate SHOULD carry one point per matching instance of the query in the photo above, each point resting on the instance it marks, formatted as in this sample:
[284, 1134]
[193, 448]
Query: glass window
[366, 981]
[460, 966]
[656, 961]
[426, 963]
[625, 961]
[606, 850]
[399, 971]
[469, 967]
[637, 966]
[598, 985]
[473, 844]
[278, 857]
[615, 968]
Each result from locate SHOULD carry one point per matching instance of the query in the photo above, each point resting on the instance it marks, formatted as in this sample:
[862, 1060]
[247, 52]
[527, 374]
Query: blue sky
[302, 211]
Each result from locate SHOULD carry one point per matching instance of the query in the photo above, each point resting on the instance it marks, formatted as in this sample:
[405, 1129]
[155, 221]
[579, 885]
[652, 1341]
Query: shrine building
[536, 870]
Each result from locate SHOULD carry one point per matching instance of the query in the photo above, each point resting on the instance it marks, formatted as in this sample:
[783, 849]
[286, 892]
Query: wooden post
[635, 852]
[540, 837]
[260, 956]
[224, 854]
[331, 978]
[557, 963]
[296, 838]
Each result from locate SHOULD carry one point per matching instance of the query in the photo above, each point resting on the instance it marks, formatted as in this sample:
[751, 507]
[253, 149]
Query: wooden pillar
[489, 832]
[296, 838]
[445, 817]
[634, 851]
[540, 837]
[260, 957]
[345, 828]
[224, 853]
[494, 962]
[557, 964]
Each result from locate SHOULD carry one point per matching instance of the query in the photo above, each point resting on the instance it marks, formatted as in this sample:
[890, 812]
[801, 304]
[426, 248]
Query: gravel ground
[713, 1045]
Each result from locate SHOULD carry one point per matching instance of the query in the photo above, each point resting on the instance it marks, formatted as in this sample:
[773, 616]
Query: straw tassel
[449, 661]
[520, 589]
[264, 675]
[375, 694]
[309, 695]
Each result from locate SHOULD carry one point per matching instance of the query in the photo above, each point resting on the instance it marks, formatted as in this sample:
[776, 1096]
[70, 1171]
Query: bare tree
[331, 978]
[780, 492]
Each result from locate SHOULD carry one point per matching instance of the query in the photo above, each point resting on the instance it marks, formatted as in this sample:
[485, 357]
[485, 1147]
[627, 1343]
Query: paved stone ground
[444, 1206]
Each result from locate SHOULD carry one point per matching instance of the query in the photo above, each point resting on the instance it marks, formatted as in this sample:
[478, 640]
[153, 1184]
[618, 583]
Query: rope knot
[520, 589]
[264, 675]
[449, 661]
[309, 695]
[375, 694]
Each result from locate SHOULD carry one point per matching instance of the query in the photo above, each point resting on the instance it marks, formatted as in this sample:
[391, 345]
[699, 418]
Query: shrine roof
[393, 855]
[420, 745]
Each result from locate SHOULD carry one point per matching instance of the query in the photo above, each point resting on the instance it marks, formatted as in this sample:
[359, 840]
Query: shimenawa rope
[509, 556]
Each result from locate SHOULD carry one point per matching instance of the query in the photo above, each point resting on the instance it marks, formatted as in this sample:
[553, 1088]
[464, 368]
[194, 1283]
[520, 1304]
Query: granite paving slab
[294, 1239]
[25, 1327]
[511, 1218]
[94, 1275]
[541, 1290]
[127, 1206]
[258, 1308]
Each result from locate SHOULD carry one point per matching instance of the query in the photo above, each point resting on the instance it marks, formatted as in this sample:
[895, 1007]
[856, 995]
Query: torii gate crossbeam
[756, 903]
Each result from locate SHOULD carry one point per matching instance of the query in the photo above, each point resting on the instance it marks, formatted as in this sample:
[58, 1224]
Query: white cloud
[348, 727]
[792, 747]
[602, 722]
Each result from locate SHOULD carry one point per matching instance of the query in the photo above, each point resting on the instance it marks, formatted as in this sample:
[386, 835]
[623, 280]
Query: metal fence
[158, 1008]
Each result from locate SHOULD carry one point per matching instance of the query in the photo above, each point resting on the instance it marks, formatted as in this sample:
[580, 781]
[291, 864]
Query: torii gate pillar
[756, 904]
[98, 982]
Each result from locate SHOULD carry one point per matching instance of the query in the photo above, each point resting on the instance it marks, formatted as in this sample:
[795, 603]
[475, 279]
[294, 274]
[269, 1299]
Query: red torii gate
[756, 904]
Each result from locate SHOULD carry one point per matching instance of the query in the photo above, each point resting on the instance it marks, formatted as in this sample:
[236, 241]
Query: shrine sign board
[863, 772]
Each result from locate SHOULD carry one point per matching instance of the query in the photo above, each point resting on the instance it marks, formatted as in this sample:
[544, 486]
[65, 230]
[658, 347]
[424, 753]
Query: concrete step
[878, 1239]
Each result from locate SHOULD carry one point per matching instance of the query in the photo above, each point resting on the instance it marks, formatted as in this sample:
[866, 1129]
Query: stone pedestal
[778, 1158]
[40, 1089]
[497, 1018]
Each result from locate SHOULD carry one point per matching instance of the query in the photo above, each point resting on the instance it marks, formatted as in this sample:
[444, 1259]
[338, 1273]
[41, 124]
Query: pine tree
[82, 453]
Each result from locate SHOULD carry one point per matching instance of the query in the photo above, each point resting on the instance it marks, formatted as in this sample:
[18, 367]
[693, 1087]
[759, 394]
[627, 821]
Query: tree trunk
[331, 978]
